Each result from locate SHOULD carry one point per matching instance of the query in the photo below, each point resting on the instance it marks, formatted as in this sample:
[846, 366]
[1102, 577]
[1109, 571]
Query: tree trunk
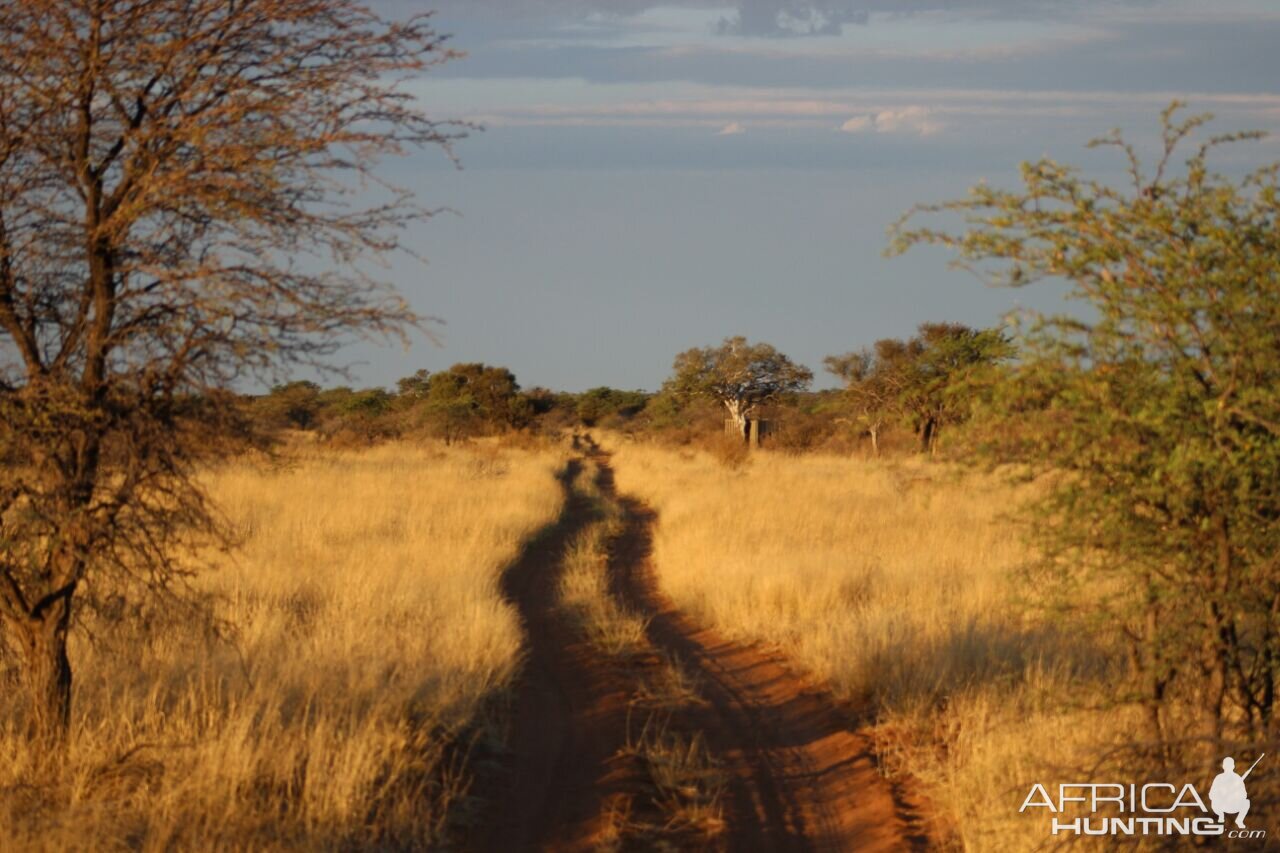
[928, 430]
[1150, 662]
[875, 439]
[1218, 647]
[737, 412]
[46, 670]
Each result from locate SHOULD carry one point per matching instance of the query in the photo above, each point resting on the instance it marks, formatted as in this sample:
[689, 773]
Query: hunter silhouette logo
[1227, 795]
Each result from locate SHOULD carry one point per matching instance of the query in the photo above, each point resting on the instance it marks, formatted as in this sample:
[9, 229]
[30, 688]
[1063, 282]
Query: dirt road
[568, 712]
[798, 777]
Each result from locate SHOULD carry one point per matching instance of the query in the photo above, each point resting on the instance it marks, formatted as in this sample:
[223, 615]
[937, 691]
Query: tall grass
[369, 642]
[897, 583]
[584, 584]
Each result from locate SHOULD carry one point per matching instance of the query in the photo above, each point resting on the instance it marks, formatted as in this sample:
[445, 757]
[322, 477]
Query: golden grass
[584, 584]
[370, 635]
[897, 584]
[687, 783]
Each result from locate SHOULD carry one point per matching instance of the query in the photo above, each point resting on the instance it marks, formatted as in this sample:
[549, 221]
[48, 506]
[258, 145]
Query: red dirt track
[799, 778]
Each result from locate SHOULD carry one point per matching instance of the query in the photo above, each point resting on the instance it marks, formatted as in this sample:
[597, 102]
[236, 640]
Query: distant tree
[367, 403]
[927, 379]
[677, 414]
[872, 382]
[449, 408]
[598, 403]
[543, 400]
[1158, 411]
[178, 213]
[346, 414]
[295, 405]
[469, 398]
[414, 387]
[495, 393]
[741, 376]
[937, 386]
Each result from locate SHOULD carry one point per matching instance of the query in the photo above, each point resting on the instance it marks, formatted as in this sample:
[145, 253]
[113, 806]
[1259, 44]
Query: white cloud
[913, 120]
[858, 124]
[733, 128]
[906, 120]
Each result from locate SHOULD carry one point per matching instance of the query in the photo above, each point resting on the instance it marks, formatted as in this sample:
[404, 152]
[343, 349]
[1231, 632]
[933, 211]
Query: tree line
[914, 386]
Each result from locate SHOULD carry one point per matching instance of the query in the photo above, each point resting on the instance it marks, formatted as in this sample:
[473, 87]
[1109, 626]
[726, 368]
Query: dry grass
[584, 584]
[669, 686]
[897, 583]
[370, 637]
[688, 786]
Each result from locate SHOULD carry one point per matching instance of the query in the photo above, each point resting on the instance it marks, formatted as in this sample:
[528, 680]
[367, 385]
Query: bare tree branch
[188, 198]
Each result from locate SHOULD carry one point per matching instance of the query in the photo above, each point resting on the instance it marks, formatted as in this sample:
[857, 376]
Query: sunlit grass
[369, 636]
[898, 584]
[583, 587]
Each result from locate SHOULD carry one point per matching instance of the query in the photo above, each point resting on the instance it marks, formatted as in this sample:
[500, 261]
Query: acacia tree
[934, 387]
[414, 387]
[595, 404]
[873, 380]
[473, 396]
[1161, 407]
[925, 379]
[180, 209]
[741, 376]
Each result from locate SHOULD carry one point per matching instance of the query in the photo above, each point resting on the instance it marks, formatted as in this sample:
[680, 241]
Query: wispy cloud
[792, 17]
[916, 120]
[916, 112]
[825, 17]
[858, 124]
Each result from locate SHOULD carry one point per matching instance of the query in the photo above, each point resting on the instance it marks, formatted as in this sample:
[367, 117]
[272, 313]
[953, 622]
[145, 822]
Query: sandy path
[568, 712]
[799, 779]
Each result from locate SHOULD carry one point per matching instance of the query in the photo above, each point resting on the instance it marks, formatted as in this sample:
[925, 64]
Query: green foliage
[295, 405]
[369, 403]
[1159, 409]
[597, 404]
[927, 381]
[465, 400]
[808, 421]
[493, 392]
[471, 399]
[414, 387]
[741, 376]
[665, 409]
[551, 411]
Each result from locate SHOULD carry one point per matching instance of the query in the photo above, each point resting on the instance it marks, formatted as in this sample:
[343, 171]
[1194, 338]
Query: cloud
[793, 17]
[911, 120]
[830, 17]
[888, 111]
[857, 124]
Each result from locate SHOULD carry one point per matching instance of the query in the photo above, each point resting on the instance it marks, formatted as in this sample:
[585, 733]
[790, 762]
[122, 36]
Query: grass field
[897, 583]
[368, 635]
[369, 645]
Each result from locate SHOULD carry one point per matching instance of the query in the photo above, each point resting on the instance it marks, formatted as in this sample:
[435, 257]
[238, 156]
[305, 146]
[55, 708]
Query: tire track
[800, 780]
[567, 713]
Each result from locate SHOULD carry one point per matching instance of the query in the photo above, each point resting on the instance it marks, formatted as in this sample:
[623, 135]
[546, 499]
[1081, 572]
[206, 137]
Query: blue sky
[658, 176]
